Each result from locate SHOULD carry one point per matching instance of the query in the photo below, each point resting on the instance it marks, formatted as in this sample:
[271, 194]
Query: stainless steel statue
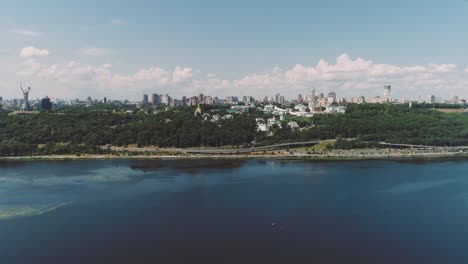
[25, 106]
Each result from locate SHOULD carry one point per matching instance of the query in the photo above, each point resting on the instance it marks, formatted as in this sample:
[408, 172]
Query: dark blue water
[218, 211]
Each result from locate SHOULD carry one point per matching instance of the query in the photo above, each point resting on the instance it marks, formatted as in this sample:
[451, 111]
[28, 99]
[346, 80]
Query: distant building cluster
[306, 105]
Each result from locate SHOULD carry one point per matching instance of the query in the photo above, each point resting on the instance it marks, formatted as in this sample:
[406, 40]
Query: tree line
[84, 131]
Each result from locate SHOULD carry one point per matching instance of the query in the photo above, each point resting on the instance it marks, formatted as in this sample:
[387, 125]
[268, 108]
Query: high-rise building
[155, 99]
[433, 99]
[232, 99]
[145, 99]
[248, 99]
[387, 93]
[331, 97]
[281, 99]
[209, 100]
[312, 99]
[277, 98]
[193, 101]
[455, 100]
[165, 99]
[46, 104]
[312, 95]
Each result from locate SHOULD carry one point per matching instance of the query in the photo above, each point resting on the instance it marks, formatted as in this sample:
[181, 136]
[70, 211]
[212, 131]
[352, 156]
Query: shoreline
[311, 157]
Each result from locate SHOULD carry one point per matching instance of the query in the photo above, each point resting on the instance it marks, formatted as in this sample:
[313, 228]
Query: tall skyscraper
[145, 99]
[281, 99]
[331, 97]
[232, 99]
[312, 99]
[247, 99]
[387, 93]
[155, 99]
[165, 99]
[277, 98]
[312, 94]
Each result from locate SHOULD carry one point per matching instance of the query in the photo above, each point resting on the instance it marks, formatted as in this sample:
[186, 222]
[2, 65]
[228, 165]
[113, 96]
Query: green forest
[84, 131]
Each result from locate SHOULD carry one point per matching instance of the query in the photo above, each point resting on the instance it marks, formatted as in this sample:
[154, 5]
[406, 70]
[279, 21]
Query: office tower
[312, 95]
[46, 104]
[145, 99]
[331, 97]
[155, 99]
[311, 98]
[248, 99]
[165, 99]
[387, 93]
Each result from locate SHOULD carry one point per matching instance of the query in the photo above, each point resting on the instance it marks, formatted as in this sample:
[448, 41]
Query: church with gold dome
[198, 111]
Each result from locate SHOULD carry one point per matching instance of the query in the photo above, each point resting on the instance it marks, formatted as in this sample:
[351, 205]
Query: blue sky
[122, 48]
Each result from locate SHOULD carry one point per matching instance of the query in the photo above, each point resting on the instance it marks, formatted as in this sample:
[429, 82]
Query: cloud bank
[347, 76]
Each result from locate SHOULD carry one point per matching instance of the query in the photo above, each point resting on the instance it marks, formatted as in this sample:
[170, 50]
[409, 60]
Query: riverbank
[292, 154]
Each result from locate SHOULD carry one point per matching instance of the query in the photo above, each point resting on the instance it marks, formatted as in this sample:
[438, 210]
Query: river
[233, 211]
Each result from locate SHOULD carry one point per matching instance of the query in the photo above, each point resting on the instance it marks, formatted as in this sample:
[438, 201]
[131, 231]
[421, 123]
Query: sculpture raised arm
[25, 91]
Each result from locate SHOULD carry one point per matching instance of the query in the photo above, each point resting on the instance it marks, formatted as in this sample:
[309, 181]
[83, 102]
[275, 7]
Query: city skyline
[310, 99]
[135, 48]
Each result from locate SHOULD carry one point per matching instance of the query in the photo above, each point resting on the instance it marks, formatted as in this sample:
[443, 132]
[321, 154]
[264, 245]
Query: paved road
[270, 147]
[243, 150]
[223, 150]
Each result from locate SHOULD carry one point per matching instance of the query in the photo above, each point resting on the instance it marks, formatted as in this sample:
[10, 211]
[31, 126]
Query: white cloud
[96, 51]
[181, 74]
[346, 76]
[29, 52]
[26, 32]
[356, 76]
[29, 67]
[441, 68]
